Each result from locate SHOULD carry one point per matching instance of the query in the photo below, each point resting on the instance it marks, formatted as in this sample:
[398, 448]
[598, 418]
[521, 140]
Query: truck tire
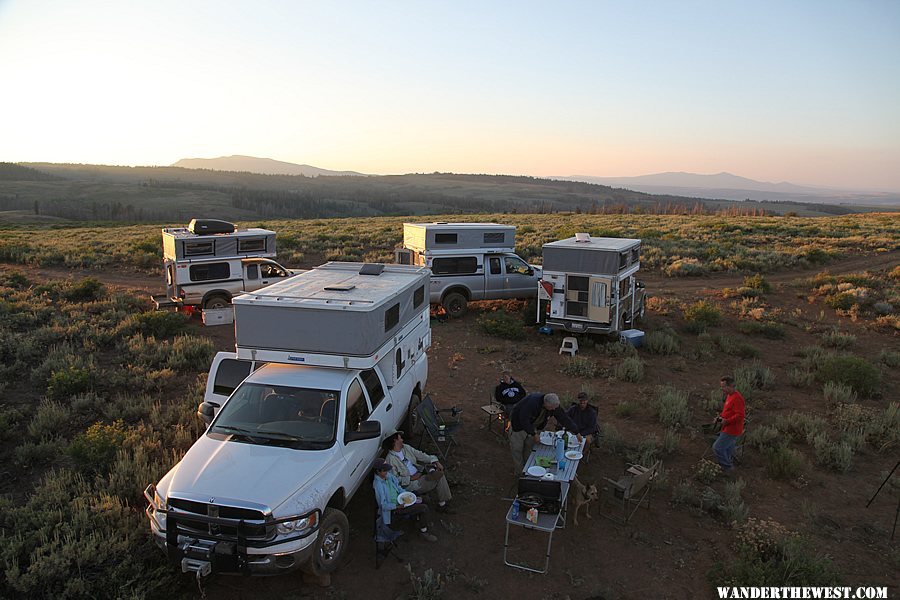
[216, 301]
[411, 425]
[455, 304]
[331, 543]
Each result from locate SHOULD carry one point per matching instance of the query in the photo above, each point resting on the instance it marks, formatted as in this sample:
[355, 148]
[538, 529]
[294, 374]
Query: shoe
[428, 536]
[446, 509]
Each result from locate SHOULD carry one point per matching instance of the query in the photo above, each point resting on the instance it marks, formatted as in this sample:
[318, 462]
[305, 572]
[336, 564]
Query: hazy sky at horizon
[807, 92]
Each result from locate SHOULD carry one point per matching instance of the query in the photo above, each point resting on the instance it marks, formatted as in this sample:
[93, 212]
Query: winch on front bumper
[209, 543]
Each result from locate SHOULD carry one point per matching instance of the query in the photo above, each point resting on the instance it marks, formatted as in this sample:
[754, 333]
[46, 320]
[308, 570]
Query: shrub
[49, 418]
[758, 282]
[800, 426]
[672, 406]
[16, 280]
[767, 329]
[95, 449]
[890, 357]
[735, 347]
[713, 402]
[837, 456]
[159, 324]
[190, 353]
[706, 471]
[624, 409]
[783, 462]
[754, 376]
[502, 324]
[801, 377]
[68, 382]
[610, 438]
[617, 350]
[763, 436]
[580, 367]
[838, 393]
[630, 369]
[702, 315]
[733, 509]
[670, 441]
[661, 342]
[86, 290]
[836, 339]
[852, 371]
[30, 454]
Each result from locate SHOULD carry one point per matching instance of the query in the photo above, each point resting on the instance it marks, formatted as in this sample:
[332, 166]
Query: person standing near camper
[529, 415]
[732, 422]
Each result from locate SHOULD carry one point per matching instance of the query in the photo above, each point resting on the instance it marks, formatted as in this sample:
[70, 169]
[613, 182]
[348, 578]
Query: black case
[210, 226]
[549, 491]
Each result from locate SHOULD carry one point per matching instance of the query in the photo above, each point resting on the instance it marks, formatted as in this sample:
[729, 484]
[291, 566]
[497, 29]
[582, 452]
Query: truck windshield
[257, 413]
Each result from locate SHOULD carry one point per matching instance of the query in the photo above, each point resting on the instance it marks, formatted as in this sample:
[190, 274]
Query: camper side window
[392, 317]
[199, 248]
[462, 265]
[445, 238]
[357, 409]
[623, 260]
[418, 296]
[210, 271]
[251, 245]
[497, 237]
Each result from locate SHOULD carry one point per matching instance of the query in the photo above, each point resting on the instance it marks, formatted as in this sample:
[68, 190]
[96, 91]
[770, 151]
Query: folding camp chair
[632, 490]
[438, 430]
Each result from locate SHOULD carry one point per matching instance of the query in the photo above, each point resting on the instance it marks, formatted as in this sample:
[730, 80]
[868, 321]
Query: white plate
[406, 498]
[573, 442]
[574, 455]
[536, 471]
[560, 433]
[548, 476]
[547, 438]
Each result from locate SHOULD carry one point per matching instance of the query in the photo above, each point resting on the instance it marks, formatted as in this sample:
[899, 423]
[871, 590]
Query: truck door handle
[388, 408]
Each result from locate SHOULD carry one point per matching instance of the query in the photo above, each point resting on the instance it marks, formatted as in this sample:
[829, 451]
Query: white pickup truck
[264, 488]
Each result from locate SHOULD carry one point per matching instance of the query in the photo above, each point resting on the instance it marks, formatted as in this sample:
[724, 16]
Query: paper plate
[406, 498]
[536, 471]
[573, 442]
[574, 455]
[547, 438]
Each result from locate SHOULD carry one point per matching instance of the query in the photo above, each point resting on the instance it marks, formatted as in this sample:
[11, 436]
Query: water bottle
[515, 509]
[560, 449]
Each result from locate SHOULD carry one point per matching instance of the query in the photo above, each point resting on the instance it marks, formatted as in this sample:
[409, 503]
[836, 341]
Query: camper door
[598, 305]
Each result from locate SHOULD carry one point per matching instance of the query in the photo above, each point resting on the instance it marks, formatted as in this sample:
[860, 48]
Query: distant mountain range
[263, 166]
[726, 186]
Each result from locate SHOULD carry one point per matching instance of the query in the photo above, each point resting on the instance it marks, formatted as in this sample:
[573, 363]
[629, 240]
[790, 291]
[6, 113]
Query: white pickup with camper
[592, 284]
[468, 261]
[326, 362]
[209, 262]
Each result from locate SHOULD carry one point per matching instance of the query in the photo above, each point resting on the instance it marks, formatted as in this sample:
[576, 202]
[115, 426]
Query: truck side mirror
[206, 411]
[367, 431]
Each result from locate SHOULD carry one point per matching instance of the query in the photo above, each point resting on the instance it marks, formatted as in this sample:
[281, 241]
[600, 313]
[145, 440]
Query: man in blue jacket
[530, 415]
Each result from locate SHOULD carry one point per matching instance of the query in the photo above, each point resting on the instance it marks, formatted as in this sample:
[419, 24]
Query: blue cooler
[635, 337]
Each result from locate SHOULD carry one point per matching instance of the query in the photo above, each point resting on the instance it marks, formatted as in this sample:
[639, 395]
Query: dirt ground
[666, 550]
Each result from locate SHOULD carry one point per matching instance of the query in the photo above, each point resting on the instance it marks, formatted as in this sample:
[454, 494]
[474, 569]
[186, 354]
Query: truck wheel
[455, 304]
[331, 543]
[411, 425]
[216, 301]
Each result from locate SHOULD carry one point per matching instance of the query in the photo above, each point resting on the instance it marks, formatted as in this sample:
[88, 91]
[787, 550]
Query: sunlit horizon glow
[803, 92]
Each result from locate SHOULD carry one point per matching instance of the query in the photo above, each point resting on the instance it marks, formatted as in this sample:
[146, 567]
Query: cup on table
[562, 464]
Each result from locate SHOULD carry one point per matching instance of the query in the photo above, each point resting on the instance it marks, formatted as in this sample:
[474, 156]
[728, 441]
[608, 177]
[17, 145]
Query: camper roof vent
[339, 287]
[582, 237]
[371, 269]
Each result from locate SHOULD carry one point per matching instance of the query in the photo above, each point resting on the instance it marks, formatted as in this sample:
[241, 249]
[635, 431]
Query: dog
[583, 496]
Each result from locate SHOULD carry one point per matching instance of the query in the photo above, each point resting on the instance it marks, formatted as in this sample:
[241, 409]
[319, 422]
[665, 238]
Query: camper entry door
[598, 307]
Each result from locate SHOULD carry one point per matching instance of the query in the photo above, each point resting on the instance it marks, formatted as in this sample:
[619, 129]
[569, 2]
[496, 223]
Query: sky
[801, 91]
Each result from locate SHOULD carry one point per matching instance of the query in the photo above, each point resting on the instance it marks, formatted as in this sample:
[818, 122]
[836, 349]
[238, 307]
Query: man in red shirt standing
[732, 423]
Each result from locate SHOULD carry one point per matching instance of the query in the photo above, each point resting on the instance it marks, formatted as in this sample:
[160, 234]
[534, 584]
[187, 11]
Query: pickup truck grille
[256, 526]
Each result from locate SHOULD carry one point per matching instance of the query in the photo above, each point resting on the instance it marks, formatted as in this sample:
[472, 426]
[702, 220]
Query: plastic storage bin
[635, 337]
[218, 316]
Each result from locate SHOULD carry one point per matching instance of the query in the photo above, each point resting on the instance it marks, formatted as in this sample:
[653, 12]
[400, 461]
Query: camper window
[461, 265]
[373, 386]
[210, 271]
[392, 317]
[495, 265]
[419, 296]
[199, 248]
[635, 254]
[623, 260]
[252, 272]
[495, 237]
[357, 410]
[247, 245]
[445, 238]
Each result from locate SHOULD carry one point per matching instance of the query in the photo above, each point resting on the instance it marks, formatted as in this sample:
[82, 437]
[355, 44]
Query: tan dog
[583, 496]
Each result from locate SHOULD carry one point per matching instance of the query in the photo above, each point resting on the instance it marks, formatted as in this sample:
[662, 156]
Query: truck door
[519, 280]
[358, 454]
[251, 277]
[598, 303]
[494, 277]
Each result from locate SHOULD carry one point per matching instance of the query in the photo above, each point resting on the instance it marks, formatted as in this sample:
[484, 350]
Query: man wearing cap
[529, 415]
[387, 488]
[416, 471]
[585, 418]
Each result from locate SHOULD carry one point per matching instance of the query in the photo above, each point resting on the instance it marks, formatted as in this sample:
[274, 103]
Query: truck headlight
[298, 525]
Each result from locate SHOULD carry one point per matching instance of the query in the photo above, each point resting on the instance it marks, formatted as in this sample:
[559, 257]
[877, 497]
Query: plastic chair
[569, 345]
[438, 430]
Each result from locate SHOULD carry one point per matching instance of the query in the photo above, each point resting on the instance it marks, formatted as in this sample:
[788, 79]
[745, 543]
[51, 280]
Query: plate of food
[406, 499]
[574, 455]
[573, 441]
[535, 471]
[547, 438]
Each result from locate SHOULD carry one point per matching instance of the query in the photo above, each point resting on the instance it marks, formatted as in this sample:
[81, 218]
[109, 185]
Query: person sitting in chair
[585, 418]
[387, 488]
[509, 391]
[417, 472]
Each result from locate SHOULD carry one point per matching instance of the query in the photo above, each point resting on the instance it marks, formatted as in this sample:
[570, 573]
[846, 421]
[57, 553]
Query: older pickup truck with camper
[264, 488]
[468, 261]
[209, 262]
